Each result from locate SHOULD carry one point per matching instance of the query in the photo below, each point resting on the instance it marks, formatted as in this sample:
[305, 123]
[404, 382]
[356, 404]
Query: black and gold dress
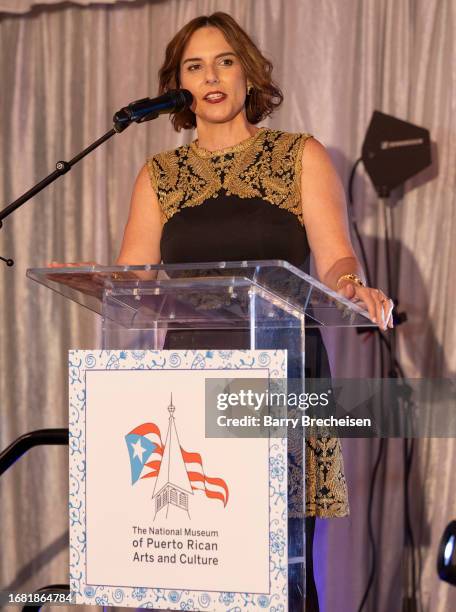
[244, 203]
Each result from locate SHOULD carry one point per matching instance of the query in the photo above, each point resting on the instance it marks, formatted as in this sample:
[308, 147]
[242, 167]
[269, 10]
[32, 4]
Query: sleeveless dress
[244, 203]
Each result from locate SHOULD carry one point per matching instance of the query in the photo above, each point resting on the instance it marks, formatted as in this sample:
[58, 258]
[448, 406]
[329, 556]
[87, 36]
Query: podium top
[191, 289]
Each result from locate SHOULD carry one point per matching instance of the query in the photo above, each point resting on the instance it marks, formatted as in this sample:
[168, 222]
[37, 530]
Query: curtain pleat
[24, 6]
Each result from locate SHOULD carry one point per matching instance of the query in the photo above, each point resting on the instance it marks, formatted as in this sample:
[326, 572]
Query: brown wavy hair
[265, 95]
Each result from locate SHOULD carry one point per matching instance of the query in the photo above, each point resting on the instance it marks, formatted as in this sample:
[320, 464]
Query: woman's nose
[211, 75]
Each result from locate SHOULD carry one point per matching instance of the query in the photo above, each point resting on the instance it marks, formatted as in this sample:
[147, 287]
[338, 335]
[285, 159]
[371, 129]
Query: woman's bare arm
[325, 218]
[141, 240]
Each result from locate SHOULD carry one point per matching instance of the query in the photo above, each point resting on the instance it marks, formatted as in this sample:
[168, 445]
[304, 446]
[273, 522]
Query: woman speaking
[242, 192]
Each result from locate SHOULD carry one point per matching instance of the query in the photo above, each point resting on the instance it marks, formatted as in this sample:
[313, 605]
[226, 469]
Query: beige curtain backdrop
[64, 70]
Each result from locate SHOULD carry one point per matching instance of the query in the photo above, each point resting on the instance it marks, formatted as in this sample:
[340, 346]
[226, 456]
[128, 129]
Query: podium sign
[161, 516]
[250, 305]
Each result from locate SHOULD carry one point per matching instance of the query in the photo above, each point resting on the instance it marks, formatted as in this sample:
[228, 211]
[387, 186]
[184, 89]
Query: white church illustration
[172, 486]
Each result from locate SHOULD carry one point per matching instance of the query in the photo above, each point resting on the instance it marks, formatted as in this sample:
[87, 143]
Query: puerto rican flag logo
[145, 448]
[176, 472]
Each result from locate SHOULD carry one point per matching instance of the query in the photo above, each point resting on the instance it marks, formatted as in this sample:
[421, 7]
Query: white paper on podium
[161, 516]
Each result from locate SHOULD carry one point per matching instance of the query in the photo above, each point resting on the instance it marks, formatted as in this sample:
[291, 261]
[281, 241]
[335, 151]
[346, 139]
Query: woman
[240, 192]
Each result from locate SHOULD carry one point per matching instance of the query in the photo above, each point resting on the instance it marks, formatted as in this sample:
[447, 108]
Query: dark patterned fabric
[242, 203]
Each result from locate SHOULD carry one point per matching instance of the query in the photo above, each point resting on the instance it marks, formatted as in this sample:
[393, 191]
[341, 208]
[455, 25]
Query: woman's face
[212, 72]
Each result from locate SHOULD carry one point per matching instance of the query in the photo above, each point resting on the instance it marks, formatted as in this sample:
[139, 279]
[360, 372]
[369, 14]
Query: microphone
[172, 101]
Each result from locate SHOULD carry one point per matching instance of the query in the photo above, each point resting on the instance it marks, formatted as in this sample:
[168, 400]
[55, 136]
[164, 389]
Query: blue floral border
[79, 362]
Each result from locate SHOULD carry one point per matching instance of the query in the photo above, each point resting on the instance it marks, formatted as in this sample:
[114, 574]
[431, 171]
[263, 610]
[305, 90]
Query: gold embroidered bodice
[267, 166]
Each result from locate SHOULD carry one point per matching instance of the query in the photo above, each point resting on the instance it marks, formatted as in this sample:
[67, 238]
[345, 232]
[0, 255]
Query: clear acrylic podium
[271, 302]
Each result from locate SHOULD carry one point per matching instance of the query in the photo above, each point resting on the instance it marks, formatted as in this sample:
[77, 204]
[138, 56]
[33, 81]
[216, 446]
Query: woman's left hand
[379, 306]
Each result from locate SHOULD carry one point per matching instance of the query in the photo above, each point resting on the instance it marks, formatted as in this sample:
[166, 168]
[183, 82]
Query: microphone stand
[122, 120]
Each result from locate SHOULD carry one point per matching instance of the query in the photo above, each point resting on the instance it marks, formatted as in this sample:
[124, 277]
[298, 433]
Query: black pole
[62, 167]
[53, 590]
[27, 441]
[138, 112]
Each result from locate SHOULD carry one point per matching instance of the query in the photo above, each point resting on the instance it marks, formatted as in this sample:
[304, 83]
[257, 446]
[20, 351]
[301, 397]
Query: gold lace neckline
[240, 146]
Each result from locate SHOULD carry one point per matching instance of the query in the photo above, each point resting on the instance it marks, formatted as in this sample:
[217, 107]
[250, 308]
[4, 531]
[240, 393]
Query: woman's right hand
[89, 282]
[72, 264]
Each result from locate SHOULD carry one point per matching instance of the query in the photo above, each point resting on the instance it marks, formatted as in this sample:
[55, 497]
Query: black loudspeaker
[446, 557]
[394, 151]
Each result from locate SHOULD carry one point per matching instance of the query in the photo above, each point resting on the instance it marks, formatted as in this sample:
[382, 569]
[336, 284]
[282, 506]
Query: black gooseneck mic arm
[138, 112]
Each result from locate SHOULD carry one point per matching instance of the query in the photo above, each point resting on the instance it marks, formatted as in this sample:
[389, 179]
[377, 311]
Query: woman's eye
[223, 62]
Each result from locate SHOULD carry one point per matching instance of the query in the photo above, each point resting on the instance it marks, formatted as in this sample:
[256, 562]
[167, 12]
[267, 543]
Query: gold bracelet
[353, 278]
